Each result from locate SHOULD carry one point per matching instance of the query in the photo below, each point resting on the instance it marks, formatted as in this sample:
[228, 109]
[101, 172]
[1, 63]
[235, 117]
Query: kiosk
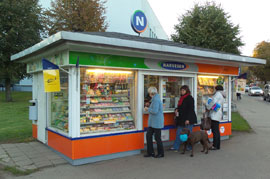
[98, 114]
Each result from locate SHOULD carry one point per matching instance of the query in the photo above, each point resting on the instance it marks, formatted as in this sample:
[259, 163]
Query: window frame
[76, 98]
[141, 73]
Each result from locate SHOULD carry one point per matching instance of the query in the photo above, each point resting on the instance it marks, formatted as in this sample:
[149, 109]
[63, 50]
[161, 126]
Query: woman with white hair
[155, 124]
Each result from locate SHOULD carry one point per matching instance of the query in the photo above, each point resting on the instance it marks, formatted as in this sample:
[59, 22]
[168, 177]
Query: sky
[251, 15]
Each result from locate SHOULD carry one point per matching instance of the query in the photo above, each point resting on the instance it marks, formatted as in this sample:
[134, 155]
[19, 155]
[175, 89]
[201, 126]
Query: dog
[193, 138]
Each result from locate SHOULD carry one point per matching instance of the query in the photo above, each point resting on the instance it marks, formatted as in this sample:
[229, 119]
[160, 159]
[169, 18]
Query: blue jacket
[156, 116]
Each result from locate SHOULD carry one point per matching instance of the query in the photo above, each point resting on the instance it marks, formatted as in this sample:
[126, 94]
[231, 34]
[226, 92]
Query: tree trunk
[8, 90]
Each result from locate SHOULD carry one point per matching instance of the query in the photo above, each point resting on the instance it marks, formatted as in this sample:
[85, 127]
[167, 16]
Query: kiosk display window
[171, 91]
[59, 105]
[168, 88]
[149, 81]
[206, 89]
[107, 100]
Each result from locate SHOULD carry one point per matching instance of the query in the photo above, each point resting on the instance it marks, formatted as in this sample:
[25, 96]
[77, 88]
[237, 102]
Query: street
[244, 156]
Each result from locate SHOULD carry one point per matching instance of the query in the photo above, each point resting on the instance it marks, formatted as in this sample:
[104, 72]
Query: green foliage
[262, 50]
[14, 123]
[20, 28]
[239, 123]
[17, 172]
[208, 26]
[76, 16]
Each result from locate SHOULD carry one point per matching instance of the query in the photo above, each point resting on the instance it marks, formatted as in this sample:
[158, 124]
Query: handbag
[206, 121]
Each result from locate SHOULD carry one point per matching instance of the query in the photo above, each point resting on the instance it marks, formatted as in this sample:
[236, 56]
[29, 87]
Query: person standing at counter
[185, 115]
[155, 124]
[215, 105]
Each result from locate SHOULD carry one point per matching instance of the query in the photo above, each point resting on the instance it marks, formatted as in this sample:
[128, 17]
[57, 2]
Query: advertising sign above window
[173, 65]
[138, 21]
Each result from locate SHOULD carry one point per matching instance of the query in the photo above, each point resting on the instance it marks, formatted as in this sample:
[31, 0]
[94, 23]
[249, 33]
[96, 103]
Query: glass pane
[149, 80]
[171, 92]
[206, 89]
[59, 105]
[226, 99]
[107, 100]
[170, 89]
[189, 82]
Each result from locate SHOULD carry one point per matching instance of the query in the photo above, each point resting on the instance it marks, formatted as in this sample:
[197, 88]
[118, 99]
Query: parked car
[246, 88]
[266, 92]
[255, 91]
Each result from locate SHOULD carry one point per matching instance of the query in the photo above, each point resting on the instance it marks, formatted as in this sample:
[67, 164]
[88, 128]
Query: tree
[20, 28]
[262, 50]
[208, 26]
[76, 16]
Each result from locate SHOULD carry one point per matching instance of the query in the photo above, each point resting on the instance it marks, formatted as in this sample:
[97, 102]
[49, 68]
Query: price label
[109, 121]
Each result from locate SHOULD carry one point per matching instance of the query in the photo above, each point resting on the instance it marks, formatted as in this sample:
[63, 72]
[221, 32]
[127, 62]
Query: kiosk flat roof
[131, 42]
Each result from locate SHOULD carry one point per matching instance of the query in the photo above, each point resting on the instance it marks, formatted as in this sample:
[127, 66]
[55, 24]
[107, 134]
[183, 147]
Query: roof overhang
[111, 45]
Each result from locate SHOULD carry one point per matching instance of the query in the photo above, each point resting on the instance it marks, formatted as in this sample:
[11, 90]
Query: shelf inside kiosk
[107, 100]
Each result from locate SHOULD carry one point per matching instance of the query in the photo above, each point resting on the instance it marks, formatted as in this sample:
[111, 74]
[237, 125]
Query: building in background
[23, 85]
[118, 16]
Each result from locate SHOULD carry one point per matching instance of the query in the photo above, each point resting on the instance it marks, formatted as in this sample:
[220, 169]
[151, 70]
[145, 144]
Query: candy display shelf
[105, 102]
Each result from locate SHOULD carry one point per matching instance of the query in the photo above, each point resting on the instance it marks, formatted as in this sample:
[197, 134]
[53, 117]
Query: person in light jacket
[215, 105]
[155, 124]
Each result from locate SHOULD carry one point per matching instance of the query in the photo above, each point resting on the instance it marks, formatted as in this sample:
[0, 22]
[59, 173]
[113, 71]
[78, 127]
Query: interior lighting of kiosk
[216, 77]
[107, 71]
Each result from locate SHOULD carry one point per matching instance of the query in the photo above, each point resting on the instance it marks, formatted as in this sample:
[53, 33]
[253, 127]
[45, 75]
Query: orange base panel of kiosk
[96, 148]
[87, 149]
[34, 131]
[224, 127]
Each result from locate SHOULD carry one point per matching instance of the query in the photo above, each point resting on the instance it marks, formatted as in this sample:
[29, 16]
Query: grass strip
[18, 172]
[239, 123]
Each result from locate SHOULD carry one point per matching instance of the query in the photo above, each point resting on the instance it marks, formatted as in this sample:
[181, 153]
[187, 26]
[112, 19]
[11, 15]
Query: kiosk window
[150, 80]
[107, 100]
[59, 105]
[171, 90]
[206, 89]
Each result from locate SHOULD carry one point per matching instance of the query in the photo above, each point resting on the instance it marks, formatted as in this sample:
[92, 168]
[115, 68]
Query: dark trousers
[216, 133]
[149, 139]
[238, 96]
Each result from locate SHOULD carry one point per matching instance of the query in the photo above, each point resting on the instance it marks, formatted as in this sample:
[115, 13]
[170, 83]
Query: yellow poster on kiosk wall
[51, 80]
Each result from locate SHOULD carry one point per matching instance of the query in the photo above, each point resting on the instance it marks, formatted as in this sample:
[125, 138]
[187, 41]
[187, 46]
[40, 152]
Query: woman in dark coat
[185, 115]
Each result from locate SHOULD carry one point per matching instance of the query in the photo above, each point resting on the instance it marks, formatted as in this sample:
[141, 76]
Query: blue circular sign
[138, 21]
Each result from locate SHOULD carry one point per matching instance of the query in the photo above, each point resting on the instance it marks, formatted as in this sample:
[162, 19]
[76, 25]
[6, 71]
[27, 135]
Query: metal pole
[64, 70]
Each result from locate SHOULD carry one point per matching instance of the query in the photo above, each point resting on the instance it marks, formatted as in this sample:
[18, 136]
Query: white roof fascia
[80, 37]
[52, 39]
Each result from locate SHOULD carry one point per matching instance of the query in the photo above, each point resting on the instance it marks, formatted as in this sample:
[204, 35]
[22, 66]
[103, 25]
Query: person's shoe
[213, 148]
[159, 156]
[173, 149]
[147, 155]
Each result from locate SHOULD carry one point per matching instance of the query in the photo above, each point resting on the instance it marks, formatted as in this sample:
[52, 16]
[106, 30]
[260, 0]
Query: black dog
[193, 138]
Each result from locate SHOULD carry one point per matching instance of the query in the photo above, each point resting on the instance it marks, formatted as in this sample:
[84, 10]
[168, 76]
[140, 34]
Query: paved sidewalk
[29, 156]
